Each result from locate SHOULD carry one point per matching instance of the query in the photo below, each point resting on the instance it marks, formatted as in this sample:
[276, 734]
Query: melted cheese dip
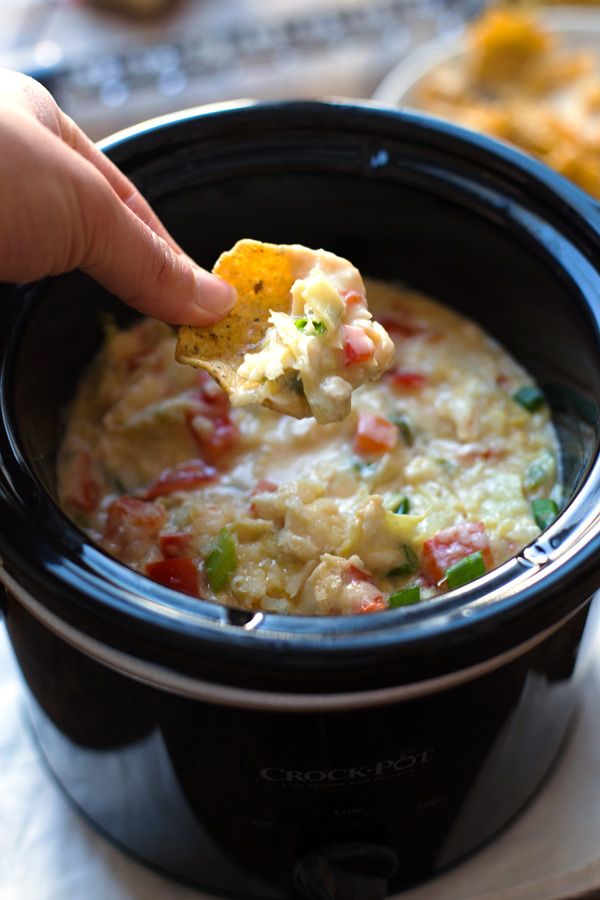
[433, 472]
[307, 352]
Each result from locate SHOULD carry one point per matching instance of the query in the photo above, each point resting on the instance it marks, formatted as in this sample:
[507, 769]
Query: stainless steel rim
[165, 679]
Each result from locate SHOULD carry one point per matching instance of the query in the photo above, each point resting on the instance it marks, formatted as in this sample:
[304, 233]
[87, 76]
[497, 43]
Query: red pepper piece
[175, 545]
[178, 574]
[184, 477]
[453, 544]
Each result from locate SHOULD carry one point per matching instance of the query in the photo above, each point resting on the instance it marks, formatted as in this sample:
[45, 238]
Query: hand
[64, 205]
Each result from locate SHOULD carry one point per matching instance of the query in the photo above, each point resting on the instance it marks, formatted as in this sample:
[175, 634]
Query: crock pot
[264, 756]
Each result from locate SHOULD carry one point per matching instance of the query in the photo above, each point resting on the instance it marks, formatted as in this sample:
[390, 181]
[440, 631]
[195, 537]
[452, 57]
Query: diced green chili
[406, 597]
[302, 323]
[410, 564]
[544, 512]
[221, 560]
[529, 397]
[365, 469]
[404, 426]
[403, 507]
[398, 504]
[465, 570]
[540, 470]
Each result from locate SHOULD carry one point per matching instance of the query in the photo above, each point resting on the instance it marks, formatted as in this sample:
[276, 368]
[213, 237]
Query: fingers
[95, 217]
[72, 135]
[28, 96]
[200, 297]
[138, 265]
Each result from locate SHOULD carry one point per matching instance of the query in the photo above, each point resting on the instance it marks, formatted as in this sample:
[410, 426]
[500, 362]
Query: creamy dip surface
[442, 470]
[327, 345]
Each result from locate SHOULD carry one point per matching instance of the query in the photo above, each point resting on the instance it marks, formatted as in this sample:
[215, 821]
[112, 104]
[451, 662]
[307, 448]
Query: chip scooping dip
[300, 337]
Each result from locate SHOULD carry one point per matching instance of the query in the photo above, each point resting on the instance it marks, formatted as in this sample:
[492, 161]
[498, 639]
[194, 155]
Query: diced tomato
[83, 491]
[453, 544]
[406, 378]
[142, 340]
[358, 346]
[132, 527]
[472, 452]
[179, 574]
[264, 486]
[374, 434]
[175, 545]
[354, 298]
[224, 434]
[131, 512]
[209, 419]
[215, 435]
[184, 477]
[210, 394]
[404, 327]
[361, 595]
[372, 602]
[353, 573]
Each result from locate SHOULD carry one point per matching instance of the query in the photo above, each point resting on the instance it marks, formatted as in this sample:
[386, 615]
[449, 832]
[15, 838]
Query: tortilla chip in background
[262, 274]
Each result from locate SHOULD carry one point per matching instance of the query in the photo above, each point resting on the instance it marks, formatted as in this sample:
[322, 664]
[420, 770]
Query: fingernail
[215, 296]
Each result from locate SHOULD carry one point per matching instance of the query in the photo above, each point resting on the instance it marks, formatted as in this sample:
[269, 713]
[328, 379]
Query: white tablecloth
[47, 852]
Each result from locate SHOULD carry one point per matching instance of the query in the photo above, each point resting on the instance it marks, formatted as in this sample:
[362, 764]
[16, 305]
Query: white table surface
[47, 852]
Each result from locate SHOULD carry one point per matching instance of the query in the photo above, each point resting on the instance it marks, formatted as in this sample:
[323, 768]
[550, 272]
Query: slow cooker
[263, 756]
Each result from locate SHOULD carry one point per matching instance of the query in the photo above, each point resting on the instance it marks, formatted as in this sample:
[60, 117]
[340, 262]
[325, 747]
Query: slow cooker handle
[346, 872]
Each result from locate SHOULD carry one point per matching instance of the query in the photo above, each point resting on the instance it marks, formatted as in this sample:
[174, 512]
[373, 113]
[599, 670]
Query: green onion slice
[398, 504]
[365, 469]
[403, 508]
[221, 560]
[529, 397]
[410, 565]
[404, 426]
[544, 512]
[541, 469]
[319, 327]
[465, 570]
[406, 597]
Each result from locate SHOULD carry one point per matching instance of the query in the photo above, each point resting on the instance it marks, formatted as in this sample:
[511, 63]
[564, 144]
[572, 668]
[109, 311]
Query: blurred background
[523, 71]
[111, 63]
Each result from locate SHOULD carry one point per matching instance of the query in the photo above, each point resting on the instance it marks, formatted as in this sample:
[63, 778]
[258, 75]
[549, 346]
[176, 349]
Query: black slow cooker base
[236, 800]
[36, 715]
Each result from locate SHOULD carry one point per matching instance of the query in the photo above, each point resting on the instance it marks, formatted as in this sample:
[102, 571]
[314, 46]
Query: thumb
[139, 266]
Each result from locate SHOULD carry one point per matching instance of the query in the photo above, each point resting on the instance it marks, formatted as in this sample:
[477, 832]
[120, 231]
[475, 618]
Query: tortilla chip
[262, 275]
